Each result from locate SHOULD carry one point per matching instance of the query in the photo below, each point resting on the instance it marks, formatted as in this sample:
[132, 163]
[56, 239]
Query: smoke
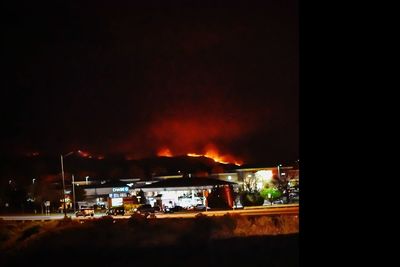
[209, 130]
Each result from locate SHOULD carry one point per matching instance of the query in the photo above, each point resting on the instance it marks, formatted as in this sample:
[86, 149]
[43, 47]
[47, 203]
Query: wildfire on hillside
[209, 152]
[164, 152]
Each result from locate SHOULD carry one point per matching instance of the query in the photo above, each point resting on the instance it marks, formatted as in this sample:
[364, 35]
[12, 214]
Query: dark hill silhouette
[43, 167]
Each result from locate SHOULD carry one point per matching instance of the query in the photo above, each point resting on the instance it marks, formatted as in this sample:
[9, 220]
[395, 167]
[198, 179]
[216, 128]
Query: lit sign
[120, 189]
[116, 202]
[264, 175]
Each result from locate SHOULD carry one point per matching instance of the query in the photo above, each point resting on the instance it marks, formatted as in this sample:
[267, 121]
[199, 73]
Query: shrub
[29, 232]
[6, 232]
[251, 199]
[266, 225]
[104, 220]
[137, 219]
[199, 232]
[274, 193]
[64, 221]
[225, 225]
[288, 224]
[229, 221]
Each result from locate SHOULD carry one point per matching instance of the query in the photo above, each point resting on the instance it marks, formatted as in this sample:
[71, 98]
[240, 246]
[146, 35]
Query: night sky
[135, 79]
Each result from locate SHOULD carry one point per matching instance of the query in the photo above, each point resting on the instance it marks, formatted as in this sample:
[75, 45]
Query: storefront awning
[175, 184]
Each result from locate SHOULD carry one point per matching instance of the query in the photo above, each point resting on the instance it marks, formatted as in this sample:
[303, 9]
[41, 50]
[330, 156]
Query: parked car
[201, 207]
[157, 208]
[173, 209]
[85, 212]
[116, 211]
[178, 208]
[238, 206]
[145, 208]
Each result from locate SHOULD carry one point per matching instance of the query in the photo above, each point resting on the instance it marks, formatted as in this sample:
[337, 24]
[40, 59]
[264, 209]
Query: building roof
[263, 168]
[185, 183]
[106, 185]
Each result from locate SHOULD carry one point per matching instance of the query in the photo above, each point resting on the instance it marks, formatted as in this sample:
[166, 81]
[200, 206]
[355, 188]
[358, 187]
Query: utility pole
[63, 180]
[279, 171]
[73, 192]
[62, 173]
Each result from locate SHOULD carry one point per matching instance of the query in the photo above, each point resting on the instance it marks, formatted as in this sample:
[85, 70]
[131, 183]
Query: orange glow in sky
[83, 153]
[210, 152]
[164, 152]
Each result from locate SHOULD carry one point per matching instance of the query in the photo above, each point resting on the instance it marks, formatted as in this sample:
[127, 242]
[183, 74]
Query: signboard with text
[116, 202]
[120, 189]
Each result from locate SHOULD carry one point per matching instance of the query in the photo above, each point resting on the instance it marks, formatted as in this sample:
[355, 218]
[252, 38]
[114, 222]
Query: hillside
[24, 169]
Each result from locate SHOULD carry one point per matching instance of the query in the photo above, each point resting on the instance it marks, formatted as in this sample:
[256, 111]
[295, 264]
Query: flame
[32, 154]
[129, 157]
[214, 155]
[194, 155]
[84, 154]
[164, 152]
[210, 152]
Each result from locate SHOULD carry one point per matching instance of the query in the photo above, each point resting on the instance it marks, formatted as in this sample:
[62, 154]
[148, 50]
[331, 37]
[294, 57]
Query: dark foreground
[200, 242]
[246, 251]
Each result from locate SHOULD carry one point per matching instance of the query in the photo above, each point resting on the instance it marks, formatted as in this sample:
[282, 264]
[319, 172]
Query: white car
[201, 207]
[85, 212]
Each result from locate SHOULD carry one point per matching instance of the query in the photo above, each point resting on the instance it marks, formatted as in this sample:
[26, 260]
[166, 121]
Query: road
[251, 211]
[291, 210]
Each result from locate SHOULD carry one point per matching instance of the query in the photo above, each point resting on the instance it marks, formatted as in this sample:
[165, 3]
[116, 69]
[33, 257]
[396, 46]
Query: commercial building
[184, 192]
[105, 195]
[171, 190]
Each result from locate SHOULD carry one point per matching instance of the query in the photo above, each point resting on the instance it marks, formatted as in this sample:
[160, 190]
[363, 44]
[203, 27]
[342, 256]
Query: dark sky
[133, 79]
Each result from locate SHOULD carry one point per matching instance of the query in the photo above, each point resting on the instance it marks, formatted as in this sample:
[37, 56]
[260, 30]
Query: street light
[63, 179]
[73, 192]
[279, 171]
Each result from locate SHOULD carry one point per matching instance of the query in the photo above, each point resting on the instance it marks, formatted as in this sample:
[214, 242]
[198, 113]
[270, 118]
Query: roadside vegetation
[232, 240]
[139, 231]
